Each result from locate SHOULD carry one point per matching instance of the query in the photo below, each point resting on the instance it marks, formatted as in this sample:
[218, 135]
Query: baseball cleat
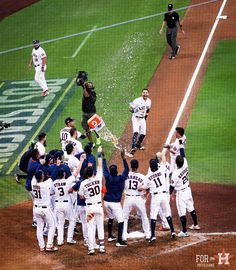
[177, 50]
[195, 227]
[102, 249]
[17, 178]
[85, 243]
[173, 235]
[111, 238]
[172, 57]
[76, 231]
[34, 224]
[163, 229]
[96, 246]
[142, 148]
[44, 93]
[60, 243]
[152, 240]
[129, 155]
[91, 252]
[51, 248]
[42, 249]
[182, 234]
[122, 244]
[71, 242]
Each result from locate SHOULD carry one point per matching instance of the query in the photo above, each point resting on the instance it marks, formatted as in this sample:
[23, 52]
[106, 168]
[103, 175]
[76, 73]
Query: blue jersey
[89, 159]
[53, 170]
[32, 167]
[45, 169]
[114, 184]
[76, 188]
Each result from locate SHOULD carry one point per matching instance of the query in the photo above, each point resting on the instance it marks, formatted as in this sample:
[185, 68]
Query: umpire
[112, 199]
[171, 19]
[89, 109]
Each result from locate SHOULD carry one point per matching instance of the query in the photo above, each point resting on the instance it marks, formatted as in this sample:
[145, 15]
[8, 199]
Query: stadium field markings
[107, 27]
[218, 233]
[195, 74]
[1, 85]
[42, 125]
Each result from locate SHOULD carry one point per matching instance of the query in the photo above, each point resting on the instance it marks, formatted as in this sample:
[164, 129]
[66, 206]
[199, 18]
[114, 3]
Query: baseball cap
[36, 41]
[170, 7]
[58, 154]
[68, 120]
[134, 164]
[153, 165]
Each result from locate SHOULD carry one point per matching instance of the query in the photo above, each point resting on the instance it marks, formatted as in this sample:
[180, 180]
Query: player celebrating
[113, 196]
[184, 199]
[42, 210]
[91, 191]
[177, 147]
[39, 59]
[134, 198]
[156, 185]
[63, 207]
[139, 108]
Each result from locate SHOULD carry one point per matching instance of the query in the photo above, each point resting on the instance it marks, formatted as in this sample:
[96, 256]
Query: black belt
[43, 206]
[93, 203]
[132, 195]
[61, 201]
[155, 193]
[36, 65]
[139, 117]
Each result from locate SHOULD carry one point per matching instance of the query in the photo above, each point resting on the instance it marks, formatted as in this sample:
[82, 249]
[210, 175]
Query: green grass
[211, 129]
[120, 61]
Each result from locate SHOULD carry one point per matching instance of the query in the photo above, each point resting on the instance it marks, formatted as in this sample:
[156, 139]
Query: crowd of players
[68, 184]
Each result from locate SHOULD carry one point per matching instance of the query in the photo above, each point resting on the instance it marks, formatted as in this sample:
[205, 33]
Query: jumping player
[39, 60]
[42, 191]
[134, 198]
[184, 199]
[139, 108]
[91, 191]
[113, 196]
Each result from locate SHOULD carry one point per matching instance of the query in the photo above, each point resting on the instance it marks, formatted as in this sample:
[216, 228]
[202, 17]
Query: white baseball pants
[162, 214]
[81, 210]
[40, 77]
[114, 211]
[184, 201]
[43, 216]
[139, 203]
[63, 210]
[159, 201]
[139, 125]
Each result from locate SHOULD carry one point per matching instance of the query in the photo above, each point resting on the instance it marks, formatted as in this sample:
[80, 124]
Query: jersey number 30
[94, 191]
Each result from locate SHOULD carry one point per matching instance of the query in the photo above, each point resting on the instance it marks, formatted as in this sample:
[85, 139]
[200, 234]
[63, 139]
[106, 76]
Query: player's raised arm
[104, 167]
[99, 168]
[126, 166]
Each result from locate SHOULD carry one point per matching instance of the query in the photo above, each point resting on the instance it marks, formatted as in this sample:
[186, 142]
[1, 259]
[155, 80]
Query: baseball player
[171, 19]
[156, 183]
[65, 135]
[40, 145]
[139, 108]
[77, 144]
[42, 191]
[113, 196]
[184, 199]
[134, 198]
[39, 60]
[91, 191]
[177, 147]
[63, 207]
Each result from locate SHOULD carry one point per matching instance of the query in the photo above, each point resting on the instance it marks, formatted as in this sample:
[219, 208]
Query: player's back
[42, 192]
[180, 177]
[61, 188]
[156, 181]
[133, 182]
[64, 137]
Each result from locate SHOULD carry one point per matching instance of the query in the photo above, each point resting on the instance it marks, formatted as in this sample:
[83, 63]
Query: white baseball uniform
[37, 56]
[140, 107]
[41, 148]
[134, 199]
[91, 189]
[65, 137]
[63, 207]
[156, 182]
[180, 181]
[42, 210]
[175, 151]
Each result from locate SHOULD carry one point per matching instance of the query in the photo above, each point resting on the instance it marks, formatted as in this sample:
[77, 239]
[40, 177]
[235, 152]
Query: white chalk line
[217, 233]
[83, 42]
[195, 74]
[106, 27]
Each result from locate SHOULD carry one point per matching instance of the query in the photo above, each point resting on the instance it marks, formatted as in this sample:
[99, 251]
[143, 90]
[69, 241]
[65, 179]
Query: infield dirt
[215, 204]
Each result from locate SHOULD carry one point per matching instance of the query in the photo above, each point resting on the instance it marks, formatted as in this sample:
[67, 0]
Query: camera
[82, 78]
[4, 125]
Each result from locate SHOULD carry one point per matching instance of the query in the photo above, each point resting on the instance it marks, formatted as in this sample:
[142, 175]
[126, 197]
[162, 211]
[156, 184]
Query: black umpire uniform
[171, 19]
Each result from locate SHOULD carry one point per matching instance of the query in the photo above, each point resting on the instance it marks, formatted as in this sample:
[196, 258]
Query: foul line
[193, 79]
[107, 27]
[83, 43]
[217, 233]
[42, 124]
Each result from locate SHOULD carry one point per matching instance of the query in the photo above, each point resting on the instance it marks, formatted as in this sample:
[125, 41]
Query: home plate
[136, 235]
